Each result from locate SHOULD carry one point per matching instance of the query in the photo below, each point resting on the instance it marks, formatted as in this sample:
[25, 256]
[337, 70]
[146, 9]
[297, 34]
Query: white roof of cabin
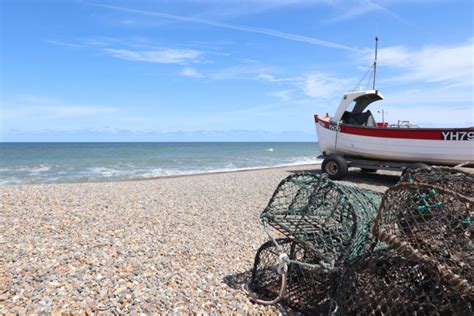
[362, 99]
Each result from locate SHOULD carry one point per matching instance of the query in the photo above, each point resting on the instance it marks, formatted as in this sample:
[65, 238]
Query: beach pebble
[165, 245]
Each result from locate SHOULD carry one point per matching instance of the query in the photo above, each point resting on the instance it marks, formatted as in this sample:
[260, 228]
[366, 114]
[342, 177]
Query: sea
[34, 163]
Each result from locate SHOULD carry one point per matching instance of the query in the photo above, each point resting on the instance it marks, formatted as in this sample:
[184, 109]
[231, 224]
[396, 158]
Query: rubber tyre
[368, 170]
[335, 167]
[413, 166]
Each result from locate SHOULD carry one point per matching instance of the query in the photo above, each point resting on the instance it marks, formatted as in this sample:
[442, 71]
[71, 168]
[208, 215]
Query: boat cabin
[358, 101]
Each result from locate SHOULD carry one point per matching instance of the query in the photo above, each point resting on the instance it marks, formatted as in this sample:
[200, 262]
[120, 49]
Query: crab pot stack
[452, 179]
[433, 226]
[307, 289]
[412, 256]
[325, 224]
[384, 282]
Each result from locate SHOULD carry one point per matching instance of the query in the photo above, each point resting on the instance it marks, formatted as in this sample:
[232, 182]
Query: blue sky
[225, 70]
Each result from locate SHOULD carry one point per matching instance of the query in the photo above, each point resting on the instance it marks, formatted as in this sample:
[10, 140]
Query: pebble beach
[176, 244]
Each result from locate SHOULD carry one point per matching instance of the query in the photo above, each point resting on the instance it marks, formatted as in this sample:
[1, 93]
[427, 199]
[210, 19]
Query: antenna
[375, 61]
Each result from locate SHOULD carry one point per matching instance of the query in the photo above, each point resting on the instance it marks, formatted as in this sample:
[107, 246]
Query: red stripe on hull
[449, 134]
[393, 133]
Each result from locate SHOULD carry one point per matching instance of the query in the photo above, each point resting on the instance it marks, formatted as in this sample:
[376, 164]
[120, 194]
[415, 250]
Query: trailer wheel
[335, 167]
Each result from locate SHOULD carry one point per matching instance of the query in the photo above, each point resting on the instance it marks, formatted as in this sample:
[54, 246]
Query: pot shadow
[238, 281]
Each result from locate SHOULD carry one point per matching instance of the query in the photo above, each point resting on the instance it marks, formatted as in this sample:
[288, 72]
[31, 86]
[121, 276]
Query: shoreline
[171, 176]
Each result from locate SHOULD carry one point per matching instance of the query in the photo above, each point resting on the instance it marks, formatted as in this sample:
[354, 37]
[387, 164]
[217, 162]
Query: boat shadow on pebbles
[378, 181]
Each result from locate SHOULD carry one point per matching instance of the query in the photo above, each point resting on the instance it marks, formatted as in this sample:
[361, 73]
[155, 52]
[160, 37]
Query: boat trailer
[337, 166]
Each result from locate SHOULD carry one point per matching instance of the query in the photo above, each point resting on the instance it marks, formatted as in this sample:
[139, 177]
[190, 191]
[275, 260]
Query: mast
[375, 61]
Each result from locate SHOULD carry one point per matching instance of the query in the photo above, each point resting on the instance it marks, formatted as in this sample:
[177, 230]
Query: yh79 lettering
[458, 135]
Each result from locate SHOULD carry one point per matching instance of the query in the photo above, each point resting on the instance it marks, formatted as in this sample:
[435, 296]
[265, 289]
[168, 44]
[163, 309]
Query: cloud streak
[56, 111]
[163, 56]
[283, 95]
[360, 8]
[452, 65]
[250, 29]
[190, 73]
[316, 85]
[37, 108]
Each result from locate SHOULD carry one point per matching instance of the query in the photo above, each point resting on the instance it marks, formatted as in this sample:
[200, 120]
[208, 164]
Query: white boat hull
[332, 140]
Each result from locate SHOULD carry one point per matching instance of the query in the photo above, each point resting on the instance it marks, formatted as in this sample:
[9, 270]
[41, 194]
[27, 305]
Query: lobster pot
[432, 225]
[384, 283]
[452, 179]
[331, 220]
[308, 289]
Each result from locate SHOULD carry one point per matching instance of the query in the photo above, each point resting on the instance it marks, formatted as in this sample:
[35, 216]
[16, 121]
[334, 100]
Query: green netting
[331, 219]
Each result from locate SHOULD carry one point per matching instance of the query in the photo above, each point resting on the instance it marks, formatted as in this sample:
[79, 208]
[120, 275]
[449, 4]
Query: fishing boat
[352, 137]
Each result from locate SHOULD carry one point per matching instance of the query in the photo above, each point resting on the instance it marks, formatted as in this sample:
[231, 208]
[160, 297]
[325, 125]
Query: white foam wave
[230, 167]
[35, 170]
[134, 172]
[10, 181]
[269, 149]
[108, 172]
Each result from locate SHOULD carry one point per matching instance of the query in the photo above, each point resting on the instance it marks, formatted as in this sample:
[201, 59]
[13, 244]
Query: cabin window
[360, 119]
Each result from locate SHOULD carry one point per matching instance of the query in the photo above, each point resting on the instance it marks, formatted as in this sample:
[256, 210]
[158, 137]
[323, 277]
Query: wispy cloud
[250, 29]
[283, 95]
[319, 85]
[244, 70]
[65, 44]
[37, 108]
[315, 85]
[353, 9]
[236, 8]
[271, 78]
[163, 56]
[55, 111]
[97, 41]
[434, 95]
[191, 73]
[452, 65]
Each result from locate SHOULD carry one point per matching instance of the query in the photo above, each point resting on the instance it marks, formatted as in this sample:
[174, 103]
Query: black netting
[308, 288]
[385, 283]
[453, 179]
[432, 225]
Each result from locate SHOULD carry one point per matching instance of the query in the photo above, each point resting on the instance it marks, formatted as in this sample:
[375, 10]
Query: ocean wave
[11, 181]
[34, 170]
[162, 172]
[230, 167]
[102, 171]
[84, 171]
